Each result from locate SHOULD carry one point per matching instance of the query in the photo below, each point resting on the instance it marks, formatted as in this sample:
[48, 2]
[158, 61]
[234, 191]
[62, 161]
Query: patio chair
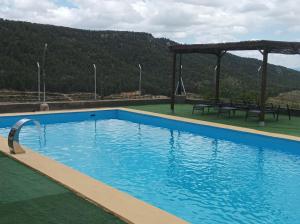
[211, 103]
[201, 107]
[256, 111]
[227, 108]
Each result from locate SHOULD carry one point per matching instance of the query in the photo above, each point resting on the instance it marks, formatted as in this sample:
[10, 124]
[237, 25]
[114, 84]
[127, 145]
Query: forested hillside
[71, 53]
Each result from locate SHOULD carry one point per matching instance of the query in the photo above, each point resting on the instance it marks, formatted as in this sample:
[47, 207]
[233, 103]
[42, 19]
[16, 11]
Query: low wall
[30, 107]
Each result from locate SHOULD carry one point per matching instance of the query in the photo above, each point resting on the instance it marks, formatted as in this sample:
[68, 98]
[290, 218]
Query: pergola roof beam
[280, 47]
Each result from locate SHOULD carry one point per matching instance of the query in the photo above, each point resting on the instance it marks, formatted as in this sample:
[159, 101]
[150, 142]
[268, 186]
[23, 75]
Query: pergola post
[263, 87]
[217, 84]
[173, 82]
[218, 72]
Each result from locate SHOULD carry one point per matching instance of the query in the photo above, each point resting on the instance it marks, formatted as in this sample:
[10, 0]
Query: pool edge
[214, 124]
[172, 117]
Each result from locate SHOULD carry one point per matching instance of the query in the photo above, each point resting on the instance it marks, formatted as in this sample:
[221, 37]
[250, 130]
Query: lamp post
[258, 70]
[215, 77]
[44, 71]
[95, 80]
[102, 85]
[179, 90]
[180, 76]
[44, 106]
[39, 80]
[140, 80]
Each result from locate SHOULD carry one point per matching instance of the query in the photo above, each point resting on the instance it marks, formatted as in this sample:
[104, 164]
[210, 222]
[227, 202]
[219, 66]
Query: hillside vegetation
[71, 53]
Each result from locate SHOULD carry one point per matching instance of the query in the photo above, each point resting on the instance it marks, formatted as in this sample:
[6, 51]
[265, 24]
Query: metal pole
[258, 70]
[173, 82]
[259, 73]
[44, 71]
[39, 81]
[140, 81]
[102, 85]
[179, 91]
[95, 79]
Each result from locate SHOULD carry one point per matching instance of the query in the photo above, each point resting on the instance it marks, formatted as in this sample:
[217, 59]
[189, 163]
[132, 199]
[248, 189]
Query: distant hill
[297, 69]
[71, 53]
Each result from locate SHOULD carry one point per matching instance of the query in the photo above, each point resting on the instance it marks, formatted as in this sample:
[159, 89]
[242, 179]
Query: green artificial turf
[26, 196]
[283, 126]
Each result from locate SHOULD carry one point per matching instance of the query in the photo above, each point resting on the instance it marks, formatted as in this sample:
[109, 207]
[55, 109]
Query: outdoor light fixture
[258, 70]
[44, 71]
[140, 81]
[39, 80]
[180, 86]
[44, 106]
[95, 80]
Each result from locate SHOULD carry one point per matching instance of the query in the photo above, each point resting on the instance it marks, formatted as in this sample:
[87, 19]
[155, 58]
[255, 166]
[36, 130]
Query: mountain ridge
[72, 52]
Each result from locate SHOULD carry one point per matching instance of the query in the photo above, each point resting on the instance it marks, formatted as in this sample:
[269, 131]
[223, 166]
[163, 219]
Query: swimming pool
[199, 173]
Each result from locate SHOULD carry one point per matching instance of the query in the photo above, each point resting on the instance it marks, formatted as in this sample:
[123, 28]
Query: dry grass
[27, 96]
[291, 98]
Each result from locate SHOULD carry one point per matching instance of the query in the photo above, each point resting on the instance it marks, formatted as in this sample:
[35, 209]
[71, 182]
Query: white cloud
[185, 21]
[292, 61]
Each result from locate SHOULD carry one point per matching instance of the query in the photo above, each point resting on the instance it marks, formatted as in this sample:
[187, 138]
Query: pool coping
[167, 116]
[217, 125]
[122, 205]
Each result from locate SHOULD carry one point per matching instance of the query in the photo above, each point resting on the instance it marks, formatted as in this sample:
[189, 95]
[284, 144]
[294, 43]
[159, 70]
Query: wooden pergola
[265, 47]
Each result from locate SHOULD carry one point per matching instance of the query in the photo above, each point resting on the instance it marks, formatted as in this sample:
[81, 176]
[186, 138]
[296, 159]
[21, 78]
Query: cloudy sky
[185, 21]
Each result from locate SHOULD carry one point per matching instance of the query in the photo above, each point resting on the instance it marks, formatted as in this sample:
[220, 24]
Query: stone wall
[31, 107]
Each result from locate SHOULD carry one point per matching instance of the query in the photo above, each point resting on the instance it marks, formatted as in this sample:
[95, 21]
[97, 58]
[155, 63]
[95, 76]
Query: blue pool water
[201, 174]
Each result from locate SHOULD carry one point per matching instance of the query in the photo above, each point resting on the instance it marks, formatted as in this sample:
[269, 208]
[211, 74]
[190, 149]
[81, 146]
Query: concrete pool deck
[120, 204]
